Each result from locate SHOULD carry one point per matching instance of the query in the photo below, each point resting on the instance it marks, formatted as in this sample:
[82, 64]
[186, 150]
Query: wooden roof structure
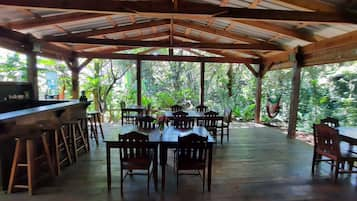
[240, 31]
[275, 34]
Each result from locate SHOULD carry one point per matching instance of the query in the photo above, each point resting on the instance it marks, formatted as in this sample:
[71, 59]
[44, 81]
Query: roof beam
[165, 58]
[280, 30]
[143, 37]
[313, 5]
[185, 9]
[194, 38]
[115, 29]
[52, 20]
[161, 44]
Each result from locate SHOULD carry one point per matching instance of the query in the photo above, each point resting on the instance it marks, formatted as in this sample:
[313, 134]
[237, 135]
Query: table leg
[163, 160]
[155, 166]
[109, 174]
[209, 177]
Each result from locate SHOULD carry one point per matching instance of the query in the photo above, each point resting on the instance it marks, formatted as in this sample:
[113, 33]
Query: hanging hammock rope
[273, 106]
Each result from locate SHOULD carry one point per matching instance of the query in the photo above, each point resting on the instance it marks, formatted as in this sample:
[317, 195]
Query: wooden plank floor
[258, 163]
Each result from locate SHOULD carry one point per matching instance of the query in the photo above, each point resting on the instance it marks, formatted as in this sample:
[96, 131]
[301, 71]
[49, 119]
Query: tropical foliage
[327, 90]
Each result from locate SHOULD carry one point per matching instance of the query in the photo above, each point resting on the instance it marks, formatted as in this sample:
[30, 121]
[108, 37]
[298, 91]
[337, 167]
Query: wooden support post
[75, 78]
[258, 94]
[202, 77]
[171, 52]
[32, 72]
[297, 60]
[138, 81]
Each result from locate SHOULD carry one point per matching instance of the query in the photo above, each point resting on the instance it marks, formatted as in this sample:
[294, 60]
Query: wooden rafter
[116, 29]
[186, 10]
[313, 5]
[81, 40]
[165, 58]
[306, 36]
[52, 20]
[254, 4]
[222, 33]
[217, 52]
[143, 37]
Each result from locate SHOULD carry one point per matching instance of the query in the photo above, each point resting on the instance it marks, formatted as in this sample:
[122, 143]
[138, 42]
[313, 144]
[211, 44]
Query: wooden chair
[176, 108]
[327, 145]
[146, 122]
[227, 119]
[135, 154]
[183, 122]
[191, 154]
[128, 117]
[179, 114]
[26, 157]
[331, 122]
[210, 122]
[201, 108]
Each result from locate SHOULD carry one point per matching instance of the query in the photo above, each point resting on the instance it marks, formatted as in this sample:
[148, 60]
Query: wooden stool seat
[26, 143]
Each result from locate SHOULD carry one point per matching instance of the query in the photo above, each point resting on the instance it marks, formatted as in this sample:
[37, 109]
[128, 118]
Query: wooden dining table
[168, 138]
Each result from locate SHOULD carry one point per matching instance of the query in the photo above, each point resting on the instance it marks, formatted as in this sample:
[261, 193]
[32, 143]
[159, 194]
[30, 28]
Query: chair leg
[313, 164]
[30, 163]
[82, 136]
[148, 183]
[57, 151]
[177, 180]
[74, 141]
[228, 133]
[100, 125]
[121, 181]
[48, 155]
[66, 146]
[336, 171]
[204, 180]
[14, 166]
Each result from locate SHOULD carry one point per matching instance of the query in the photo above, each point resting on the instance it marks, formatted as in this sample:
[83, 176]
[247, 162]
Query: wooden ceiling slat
[115, 29]
[222, 33]
[52, 20]
[281, 30]
[314, 5]
[187, 9]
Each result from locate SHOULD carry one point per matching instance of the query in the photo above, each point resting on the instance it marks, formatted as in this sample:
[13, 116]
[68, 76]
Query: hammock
[273, 106]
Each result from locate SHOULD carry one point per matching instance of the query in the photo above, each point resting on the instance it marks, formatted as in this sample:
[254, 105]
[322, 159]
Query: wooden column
[75, 78]
[32, 72]
[258, 94]
[296, 59]
[202, 77]
[138, 81]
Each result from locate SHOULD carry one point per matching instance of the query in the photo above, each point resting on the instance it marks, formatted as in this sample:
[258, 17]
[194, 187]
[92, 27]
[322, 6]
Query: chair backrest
[176, 108]
[326, 141]
[183, 122]
[122, 104]
[134, 145]
[201, 108]
[227, 115]
[192, 147]
[180, 114]
[332, 122]
[146, 122]
[211, 114]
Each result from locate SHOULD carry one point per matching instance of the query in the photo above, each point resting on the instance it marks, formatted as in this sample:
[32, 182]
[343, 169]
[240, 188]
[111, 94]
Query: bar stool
[97, 120]
[84, 124]
[93, 130]
[62, 152]
[77, 138]
[26, 144]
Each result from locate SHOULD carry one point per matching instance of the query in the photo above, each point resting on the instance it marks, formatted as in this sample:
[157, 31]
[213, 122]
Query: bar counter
[28, 113]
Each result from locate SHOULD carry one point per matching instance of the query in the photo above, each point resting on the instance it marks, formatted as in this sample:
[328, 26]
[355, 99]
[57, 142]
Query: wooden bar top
[38, 109]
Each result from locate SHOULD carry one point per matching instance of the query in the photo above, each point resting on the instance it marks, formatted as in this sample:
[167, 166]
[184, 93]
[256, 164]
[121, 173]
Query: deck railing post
[138, 80]
[258, 94]
[297, 61]
[32, 72]
[202, 83]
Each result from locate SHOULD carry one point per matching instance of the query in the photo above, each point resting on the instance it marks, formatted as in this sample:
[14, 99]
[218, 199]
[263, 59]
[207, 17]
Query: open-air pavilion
[265, 35]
